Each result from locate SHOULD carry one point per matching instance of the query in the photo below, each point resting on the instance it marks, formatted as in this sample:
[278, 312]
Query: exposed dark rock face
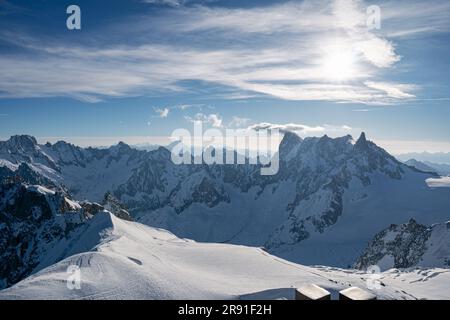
[111, 204]
[34, 220]
[405, 244]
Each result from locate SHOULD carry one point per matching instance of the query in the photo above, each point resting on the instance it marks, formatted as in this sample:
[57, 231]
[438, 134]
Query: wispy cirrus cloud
[410, 18]
[172, 3]
[287, 51]
[395, 91]
[175, 3]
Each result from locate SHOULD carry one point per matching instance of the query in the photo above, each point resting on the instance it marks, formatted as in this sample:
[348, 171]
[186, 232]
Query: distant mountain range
[437, 158]
[441, 169]
[329, 198]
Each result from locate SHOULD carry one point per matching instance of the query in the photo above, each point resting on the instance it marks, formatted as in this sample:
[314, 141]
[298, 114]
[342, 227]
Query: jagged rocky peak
[163, 151]
[323, 146]
[113, 205]
[290, 139]
[362, 142]
[61, 144]
[123, 144]
[121, 147]
[366, 146]
[91, 208]
[24, 142]
[289, 144]
[334, 146]
[376, 157]
[67, 150]
[110, 204]
[23, 139]
[345, 139]
[362, 137]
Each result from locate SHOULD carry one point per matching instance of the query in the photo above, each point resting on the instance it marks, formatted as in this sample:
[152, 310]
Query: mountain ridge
[322, 185]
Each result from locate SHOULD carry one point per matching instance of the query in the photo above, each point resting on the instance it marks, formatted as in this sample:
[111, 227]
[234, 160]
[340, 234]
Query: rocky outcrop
[37, 226]
[408, 245]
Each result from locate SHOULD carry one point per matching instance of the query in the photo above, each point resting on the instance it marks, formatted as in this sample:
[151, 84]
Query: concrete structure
[354, 293]
[312, 292]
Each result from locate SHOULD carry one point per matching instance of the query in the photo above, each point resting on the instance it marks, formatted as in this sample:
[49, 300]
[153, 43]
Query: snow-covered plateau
[133, 261]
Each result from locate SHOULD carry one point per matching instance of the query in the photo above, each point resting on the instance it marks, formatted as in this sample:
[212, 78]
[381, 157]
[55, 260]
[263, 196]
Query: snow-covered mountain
[329, 198]
[327, 201]
[131, 261]
[409, 245]
[441, 169]
[41, 226]
[420, 165]
[438, 157]
[87, 172]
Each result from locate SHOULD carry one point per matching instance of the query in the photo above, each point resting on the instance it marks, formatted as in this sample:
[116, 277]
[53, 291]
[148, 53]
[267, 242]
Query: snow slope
[133, 261]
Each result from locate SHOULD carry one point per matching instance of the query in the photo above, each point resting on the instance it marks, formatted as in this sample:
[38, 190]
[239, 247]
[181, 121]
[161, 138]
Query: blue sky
[139, 69]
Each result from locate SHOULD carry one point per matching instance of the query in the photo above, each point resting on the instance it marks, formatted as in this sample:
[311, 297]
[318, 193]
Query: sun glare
[338, 66]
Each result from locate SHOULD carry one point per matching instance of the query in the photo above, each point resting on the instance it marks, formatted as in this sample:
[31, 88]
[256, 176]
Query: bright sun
[338, 66]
